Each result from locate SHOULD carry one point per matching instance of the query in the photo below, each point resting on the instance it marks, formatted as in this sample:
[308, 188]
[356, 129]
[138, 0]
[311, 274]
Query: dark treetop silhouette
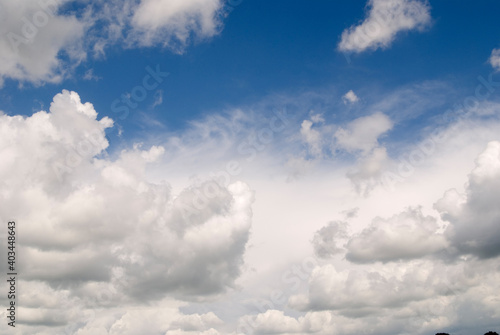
[488, 333]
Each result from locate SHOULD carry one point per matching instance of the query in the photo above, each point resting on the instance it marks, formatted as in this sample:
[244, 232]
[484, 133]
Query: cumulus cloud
[146, 23]
[197, 322]
[100, 237]
[356, 293]
[44, 44]
[407, 289]
[273, 322]
[474, 217]
[161, 318]
[35, 37]
[350, 97]
[495, 59]
[407, 235]
[210, 331]
[385, 19]
[43, 148]
[276, 322]
[98, 230]
[160, 21]
[417, 297]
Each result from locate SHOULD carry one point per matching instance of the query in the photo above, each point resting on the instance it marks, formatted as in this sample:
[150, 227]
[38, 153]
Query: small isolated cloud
[495, 59]
[385, 19]
[408, 235]
[158, 98]
[89, 75]
[350, 97]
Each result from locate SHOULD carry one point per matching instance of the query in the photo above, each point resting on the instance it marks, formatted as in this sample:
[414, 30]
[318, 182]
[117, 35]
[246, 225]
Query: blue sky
[252, 167]
[266, 48]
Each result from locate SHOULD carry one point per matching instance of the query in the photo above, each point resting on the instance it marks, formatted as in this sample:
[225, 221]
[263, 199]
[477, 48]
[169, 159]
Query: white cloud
[210, 331]
[276, 322]
[197, 322]
[385, 19]
[161, 21]
[407, 235]
[418, 297]
[360, 137]
[89, 75]
[172, 24]
[158, 98]
[495, 59]
[362, 134]
[128, 321]
[101, 220]
[34, 37]
[312, 137]
[474, 217]
[41, 45]
[312, 134]
[125, 229]
[366, 175]
[363, 292]
[350, 97]
[407, 284]
[51, 143]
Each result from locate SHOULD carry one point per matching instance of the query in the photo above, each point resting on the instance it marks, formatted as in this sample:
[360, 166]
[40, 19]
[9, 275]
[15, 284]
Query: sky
[250, 167]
